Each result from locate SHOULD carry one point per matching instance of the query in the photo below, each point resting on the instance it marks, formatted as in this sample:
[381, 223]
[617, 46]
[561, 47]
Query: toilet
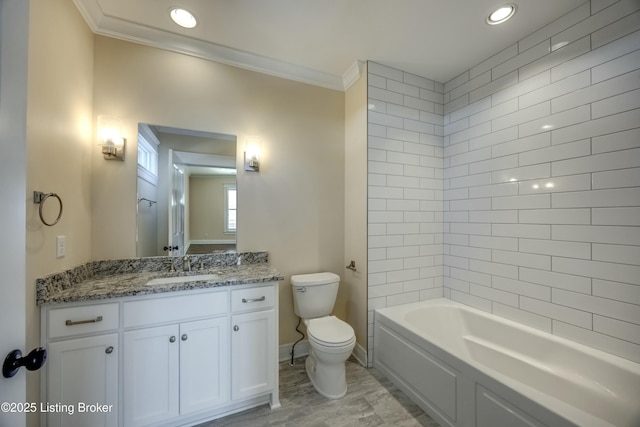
[330, 339]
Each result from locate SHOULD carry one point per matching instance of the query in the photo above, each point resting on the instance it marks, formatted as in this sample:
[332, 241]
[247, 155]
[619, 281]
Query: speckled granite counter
[99, 280]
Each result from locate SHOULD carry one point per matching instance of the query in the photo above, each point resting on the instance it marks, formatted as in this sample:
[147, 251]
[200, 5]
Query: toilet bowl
[331, 342]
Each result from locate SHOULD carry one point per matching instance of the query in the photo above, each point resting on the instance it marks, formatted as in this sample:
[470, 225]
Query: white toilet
[330, 339]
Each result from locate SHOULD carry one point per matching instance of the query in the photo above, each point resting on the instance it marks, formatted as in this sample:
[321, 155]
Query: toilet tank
[314, 294]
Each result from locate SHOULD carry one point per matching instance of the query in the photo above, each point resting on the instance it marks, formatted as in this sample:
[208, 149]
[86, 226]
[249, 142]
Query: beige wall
[355, 218]
[59, 115]
[299, 221]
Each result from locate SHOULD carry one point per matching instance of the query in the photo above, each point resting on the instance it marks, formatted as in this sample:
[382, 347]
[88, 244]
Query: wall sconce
[110, 137]
[252, 155]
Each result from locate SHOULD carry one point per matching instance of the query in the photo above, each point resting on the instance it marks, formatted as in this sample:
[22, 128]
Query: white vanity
[164, 358]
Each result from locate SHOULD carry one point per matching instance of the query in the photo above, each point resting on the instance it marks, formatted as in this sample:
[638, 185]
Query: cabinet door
[151, 375]
[204, 364]
[83, 371]
[253, 349]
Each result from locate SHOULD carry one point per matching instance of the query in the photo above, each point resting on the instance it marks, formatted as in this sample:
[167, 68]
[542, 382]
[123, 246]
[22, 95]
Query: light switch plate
[61, 246]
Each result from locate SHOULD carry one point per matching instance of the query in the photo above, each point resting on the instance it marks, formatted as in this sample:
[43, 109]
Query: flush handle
[301, 289]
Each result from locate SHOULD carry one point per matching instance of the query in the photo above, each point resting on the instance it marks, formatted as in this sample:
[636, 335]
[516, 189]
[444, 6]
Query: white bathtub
[465, 367]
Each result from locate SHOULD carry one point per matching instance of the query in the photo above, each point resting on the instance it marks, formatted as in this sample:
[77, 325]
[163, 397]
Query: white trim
[204, 159]
[148, 134]
[360, 354]
[212, 242]
[302, 349]
[284, 352]
[227, 189]
[352, 74]
[144, 174]
[15, 29]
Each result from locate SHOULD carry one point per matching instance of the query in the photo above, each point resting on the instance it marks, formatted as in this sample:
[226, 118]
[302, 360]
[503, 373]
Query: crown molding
[352, 74]
[129, 31]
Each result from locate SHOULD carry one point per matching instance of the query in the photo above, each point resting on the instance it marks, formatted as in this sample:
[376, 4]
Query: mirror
[187, 190]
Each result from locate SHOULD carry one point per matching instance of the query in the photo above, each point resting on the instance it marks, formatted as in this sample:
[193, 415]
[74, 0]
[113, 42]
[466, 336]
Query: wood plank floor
[370, 401]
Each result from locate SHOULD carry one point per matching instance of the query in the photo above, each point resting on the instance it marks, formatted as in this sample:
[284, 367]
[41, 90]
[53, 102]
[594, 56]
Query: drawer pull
[82, 322]
[245, 300]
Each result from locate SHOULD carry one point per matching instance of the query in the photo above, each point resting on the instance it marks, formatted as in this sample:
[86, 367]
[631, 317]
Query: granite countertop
[108, 285]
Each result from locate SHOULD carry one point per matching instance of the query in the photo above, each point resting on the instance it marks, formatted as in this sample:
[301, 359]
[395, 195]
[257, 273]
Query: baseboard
[213, 242]
[284, 353]
[360, 354]
[302, 349]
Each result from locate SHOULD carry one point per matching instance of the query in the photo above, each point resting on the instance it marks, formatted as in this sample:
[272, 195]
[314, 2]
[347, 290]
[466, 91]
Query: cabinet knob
[109, 349]
[184, 337]
[236, 328]
[172, 339]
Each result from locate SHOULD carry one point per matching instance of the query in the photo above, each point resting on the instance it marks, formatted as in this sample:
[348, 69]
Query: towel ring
[39, 197]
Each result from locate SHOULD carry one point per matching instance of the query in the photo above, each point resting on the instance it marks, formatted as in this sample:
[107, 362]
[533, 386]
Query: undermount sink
[181, 279]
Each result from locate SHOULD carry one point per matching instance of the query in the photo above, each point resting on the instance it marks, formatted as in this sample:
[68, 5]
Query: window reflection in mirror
[187, 188]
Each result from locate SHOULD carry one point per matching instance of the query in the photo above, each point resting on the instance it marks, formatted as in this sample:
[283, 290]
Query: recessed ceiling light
[501, 14]
[182, 17]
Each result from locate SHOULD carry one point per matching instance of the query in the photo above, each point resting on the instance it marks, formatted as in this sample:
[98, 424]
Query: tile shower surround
[540, 175]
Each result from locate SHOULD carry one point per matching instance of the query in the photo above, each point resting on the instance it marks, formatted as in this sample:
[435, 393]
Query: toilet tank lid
[314, 279]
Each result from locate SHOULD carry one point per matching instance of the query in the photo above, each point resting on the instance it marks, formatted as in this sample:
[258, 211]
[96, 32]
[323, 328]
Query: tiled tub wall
[542, 180]
[405, 183]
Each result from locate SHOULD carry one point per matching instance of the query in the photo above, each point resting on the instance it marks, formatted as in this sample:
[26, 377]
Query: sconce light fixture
[110, 137]
[252, 155]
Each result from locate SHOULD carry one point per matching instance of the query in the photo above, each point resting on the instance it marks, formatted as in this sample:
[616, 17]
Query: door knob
[32, 361]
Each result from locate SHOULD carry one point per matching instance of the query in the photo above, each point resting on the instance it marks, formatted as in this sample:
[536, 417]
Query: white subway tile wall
[405, 189]
[542, 180]
[515, 187]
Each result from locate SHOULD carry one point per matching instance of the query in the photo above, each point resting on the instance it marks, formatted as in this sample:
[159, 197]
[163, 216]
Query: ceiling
[321, 41]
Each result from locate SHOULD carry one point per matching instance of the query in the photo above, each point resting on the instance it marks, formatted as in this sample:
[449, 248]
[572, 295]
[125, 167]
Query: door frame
[14, 51]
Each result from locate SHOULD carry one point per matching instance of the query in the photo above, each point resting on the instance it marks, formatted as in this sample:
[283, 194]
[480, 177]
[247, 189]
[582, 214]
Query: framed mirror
[187, 187]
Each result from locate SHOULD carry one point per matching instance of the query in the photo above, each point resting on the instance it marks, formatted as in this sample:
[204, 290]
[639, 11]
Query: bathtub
[465, 367]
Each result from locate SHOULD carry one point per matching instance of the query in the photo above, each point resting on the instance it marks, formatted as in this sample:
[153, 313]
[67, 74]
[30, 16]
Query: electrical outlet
[61, 246]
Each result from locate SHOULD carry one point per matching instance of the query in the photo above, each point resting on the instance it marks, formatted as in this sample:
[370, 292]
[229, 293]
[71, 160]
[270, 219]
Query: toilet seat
[330, 331]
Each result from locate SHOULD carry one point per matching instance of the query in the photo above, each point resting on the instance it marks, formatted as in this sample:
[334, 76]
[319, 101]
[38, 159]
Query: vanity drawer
[175, 308]
[88, 319]
[252, 298]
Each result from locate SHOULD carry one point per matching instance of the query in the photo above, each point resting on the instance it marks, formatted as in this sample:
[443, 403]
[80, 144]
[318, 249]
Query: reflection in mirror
[186, 191]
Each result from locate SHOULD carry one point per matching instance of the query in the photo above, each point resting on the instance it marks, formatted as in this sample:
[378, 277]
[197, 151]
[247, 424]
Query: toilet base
[328, 379]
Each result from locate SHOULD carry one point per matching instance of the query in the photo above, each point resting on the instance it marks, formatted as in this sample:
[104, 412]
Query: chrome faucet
[186, 265]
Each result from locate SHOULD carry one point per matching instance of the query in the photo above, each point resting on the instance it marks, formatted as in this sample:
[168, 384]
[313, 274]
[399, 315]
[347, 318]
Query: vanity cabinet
[252, 343]
[175, 370]
[165, 359]
[82, 370]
